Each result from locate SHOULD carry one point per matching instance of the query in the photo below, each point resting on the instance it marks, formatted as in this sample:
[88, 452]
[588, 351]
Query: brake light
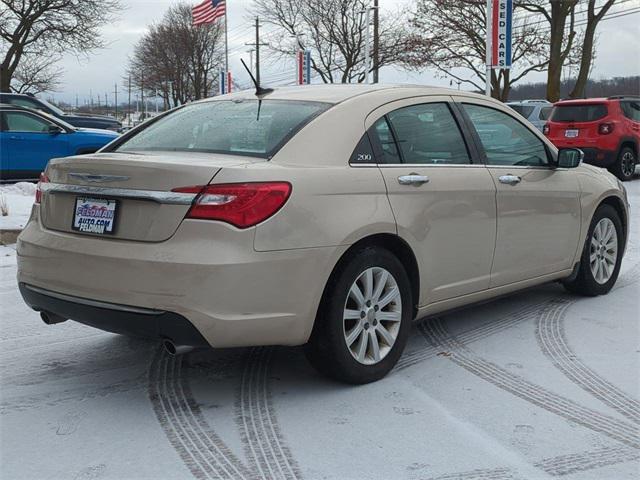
[605, 128]
[240, 204]
[545, 129]
[43, 179]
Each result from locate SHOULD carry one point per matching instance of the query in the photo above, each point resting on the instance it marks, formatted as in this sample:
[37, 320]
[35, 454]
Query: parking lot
[538, 385]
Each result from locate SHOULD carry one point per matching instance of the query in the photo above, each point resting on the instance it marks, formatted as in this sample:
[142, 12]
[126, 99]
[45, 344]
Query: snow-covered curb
[16, 201]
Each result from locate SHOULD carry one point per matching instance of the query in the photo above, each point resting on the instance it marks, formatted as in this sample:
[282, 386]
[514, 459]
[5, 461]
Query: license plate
[571, 133]
[94, 215]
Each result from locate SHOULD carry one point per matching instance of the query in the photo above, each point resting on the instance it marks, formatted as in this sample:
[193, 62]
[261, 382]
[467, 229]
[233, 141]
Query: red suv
[606, 129]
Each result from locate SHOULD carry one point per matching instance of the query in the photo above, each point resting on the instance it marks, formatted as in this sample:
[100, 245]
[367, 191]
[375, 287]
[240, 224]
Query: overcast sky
[618, 51]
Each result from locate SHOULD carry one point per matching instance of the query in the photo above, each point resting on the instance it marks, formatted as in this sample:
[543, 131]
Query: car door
[29, 143]
[442, 199]
[538, 205]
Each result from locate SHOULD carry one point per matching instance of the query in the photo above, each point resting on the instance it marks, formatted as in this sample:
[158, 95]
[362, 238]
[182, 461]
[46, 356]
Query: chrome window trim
[93, 303]
[166, 198]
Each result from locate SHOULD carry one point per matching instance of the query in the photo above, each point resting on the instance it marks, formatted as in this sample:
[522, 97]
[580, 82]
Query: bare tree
[556, 14]
[450, 36]
[588, 44]
[37, 73]
[177, 59]
[334, 31]
[58, 25]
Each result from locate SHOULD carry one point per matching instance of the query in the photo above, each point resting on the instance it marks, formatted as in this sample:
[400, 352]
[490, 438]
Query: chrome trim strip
[168, 198]
[89, 177]
[93, 303]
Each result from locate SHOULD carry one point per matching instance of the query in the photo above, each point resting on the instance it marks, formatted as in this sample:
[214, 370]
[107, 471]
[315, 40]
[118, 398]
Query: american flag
[209, 11]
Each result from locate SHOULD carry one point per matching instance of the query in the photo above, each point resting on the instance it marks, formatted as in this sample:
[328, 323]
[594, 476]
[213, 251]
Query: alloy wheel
[372, 315]
[603, 251]
[628, 164]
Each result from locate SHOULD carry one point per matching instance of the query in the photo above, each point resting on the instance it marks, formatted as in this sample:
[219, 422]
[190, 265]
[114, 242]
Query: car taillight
[43, 179]
[240, 204]
[605, 128]
[545, 129]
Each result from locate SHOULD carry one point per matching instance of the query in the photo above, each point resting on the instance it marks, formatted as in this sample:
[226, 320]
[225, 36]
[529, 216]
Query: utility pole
[142, 106]
[487, 88]
[129, 102]
[257, 46]
[367, 55]
[116, 99]
[376, 41]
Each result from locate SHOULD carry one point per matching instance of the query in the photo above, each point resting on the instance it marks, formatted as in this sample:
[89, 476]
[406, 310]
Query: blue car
[29, 139]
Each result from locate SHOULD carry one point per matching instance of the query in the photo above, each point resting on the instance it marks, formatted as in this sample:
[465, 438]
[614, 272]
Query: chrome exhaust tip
[51, 318]
[175, 350]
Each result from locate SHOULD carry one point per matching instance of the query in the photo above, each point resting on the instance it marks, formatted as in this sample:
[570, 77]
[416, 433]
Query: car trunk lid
[141, 185]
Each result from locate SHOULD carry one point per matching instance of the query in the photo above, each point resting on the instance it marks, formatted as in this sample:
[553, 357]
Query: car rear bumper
[114, 318]
[208, 274]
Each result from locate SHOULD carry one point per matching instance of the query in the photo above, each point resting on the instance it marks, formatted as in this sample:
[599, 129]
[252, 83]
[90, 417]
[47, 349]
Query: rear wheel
[625, 166]
[601, 256]
[363, 323]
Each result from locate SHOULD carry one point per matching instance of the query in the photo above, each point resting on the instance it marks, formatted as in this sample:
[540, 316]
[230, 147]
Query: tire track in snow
[436, 334]
[199, 447]
[551, 336]
[269, 456]
[555, 466]
[478, 333]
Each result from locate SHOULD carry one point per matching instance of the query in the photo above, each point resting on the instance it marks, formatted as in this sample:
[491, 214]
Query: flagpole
[226, 41]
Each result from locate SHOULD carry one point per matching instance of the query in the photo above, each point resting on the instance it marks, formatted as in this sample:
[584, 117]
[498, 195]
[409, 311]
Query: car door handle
[413, 179]
[510, 179]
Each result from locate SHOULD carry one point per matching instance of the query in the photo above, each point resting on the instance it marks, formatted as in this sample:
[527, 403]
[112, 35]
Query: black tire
[585, 283]
[625, 165]
[327, 349]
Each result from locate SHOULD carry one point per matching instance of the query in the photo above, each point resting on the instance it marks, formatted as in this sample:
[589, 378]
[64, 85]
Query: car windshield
[52, 107]
[579, 113]
[523, 110]
[241, 127]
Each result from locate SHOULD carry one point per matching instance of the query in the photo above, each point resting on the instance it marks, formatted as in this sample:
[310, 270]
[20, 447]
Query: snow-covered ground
[17, 200]
[534, 386]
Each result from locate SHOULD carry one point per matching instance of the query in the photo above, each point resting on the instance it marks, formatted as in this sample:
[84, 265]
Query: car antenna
[259, 90]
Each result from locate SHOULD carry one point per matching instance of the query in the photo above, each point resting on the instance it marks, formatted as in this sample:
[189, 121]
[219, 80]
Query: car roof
[582, 101]
[331, 93]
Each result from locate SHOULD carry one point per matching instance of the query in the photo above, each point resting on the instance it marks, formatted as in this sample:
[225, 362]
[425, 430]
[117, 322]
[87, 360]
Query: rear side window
[523, 110]
[363, 152]
[545, 112]
[631, 110]
[579, 113]
[389, 150]
[428, 134]
[246, 127]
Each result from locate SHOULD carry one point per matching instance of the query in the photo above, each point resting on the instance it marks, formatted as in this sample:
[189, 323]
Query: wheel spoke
[391, 316]
[386, 335]
[375, 346]
[362, 348]
[351, 314]
[353, 335]
[367, 279]
[381, 281]
[356, 295]
[611, 259]
[389, 297]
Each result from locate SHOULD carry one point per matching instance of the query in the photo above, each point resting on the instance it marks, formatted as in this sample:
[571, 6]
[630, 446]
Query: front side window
[506, 141]
[25, 122]
[241, 127]
[428, 134]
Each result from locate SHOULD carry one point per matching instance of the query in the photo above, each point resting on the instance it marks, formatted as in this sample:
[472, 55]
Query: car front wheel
[363, 323]
[601, 256]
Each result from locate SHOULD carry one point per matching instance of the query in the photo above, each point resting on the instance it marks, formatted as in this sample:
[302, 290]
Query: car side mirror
[55, 130]
[570, 157]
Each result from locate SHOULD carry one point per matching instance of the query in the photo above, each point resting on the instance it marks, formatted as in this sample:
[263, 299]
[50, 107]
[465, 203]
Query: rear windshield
[241, 127]
[523, 110]
[579, 113]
